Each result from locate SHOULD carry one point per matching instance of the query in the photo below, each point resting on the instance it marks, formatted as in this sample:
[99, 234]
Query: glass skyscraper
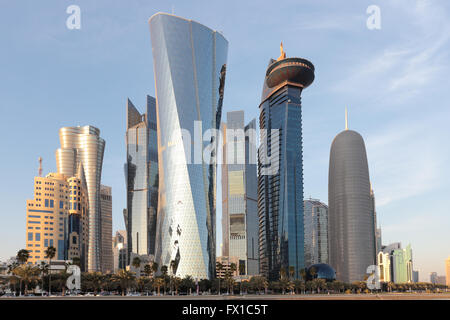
[189, 67]
[316, 232]
[280, 169]
[141, 174]
[239, 194]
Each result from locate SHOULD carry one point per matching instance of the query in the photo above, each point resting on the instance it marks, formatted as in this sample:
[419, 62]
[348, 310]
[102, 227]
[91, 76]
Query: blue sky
[393, 80]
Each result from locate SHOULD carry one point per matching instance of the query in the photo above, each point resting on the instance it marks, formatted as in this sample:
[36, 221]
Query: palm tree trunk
[49, 277]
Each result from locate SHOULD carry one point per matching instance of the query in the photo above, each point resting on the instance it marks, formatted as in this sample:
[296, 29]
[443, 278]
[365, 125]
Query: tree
[22, 256]
[155, 267]
[164, 271]
[158, 283]
[148, 270]
[219, 267]
[137, 264]
[125, 278]
[291, 272]
[26, 273]
[50, 253]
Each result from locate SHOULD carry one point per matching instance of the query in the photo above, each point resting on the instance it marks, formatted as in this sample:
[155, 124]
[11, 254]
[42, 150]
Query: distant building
[433, 277]
[120, 252]
[316, 232]
[226, 264]
[384, 264]
[107, 265]
[396, 264]
[447, 271]
[441, 280]
[415, 276]
[240, 223]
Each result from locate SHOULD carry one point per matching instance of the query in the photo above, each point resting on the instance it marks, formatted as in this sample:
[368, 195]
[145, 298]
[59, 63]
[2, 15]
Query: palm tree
[11, 269]
[164, 271]
[27, 273]
[124, 277]
[148, 270]
[291, 272]
[155, 267]
[137, 264]
[43, 268]
[50, 253]
[303, 274]
[158, 283]
[219, 268]
[22, 256]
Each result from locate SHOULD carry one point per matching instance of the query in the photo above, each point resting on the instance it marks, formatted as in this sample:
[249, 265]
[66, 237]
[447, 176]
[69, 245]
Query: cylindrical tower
[351, 222]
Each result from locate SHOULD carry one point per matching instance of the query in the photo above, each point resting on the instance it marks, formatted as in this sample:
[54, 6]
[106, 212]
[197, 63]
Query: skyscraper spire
[346, 118]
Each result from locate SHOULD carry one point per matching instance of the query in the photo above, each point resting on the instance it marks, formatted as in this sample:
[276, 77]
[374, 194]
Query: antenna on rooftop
[40, 167]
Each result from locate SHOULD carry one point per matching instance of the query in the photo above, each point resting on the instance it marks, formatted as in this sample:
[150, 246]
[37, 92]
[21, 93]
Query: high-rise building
[316, 232]
[447, 271]
[239, 194]
[351, 208]
[189, 65]
[78, 219]
[141, 173]
[401, 263]
[106, 229]
[280, 167]
[226, 263]
[120, 252]
[384, 265]
[415, 276]
[83, 145]
[433, 277]
[377, 231]
[58, 217]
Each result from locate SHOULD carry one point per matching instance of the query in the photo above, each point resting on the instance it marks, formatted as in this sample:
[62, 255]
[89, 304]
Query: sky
[393, 80]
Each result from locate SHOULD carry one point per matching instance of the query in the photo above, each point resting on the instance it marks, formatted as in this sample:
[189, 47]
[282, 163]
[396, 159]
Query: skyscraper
[239, 194]
[83, 145]
[120, 251]
[351, 212]
[316, 232]
[280, 169]
[189, 65]
[106, 221]
[141, 175]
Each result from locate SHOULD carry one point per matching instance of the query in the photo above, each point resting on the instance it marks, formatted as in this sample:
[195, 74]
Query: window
[46, 202]
[61, 204]
[51, 242]
[46, 243]
[30, 236]
[37, 236]
[51, 203]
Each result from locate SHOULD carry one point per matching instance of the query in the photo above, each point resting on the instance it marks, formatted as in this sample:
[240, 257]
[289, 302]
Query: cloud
[406, 161]
[416, 59]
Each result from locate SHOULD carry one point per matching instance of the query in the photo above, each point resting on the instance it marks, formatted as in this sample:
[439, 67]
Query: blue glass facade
[141, 171]
[189, 64]
[280, 192]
